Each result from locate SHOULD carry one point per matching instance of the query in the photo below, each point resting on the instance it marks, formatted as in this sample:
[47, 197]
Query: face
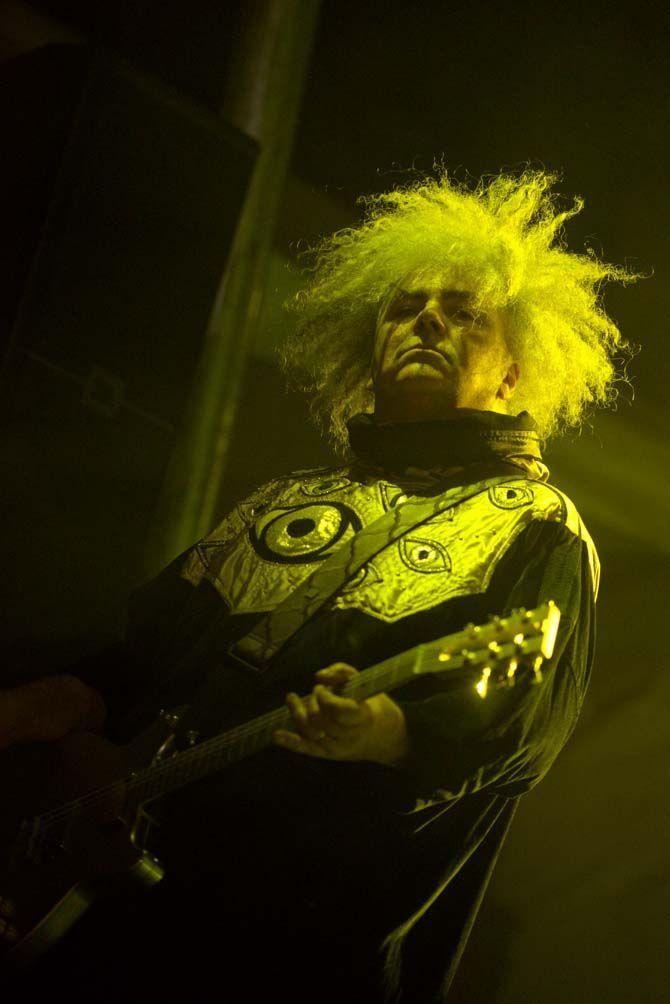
[433, 354]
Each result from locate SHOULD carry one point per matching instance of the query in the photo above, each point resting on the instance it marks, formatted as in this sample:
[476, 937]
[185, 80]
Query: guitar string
[209, 746]
[189, 759]
[191, 756]
[135, 780]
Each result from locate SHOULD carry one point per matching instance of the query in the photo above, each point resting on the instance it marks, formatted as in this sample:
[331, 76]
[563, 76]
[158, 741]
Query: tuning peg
[482, 684]
[510, 676]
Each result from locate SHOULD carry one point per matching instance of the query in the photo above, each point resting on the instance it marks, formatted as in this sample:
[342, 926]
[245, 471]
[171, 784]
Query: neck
[468, 436]
[428, 409]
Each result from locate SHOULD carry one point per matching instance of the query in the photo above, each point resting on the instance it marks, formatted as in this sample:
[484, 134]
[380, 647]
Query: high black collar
[470, 437]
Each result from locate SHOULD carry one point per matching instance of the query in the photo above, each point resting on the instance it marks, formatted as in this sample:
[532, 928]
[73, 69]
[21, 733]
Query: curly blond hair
[504, 239]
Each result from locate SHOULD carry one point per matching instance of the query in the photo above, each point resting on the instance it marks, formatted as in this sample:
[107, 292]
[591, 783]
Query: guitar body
[51, 878]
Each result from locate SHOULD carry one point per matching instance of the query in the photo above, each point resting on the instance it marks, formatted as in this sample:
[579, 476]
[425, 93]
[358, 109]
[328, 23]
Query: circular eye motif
[424, 555]
[511, 496]
[325, 487]
[303, 533]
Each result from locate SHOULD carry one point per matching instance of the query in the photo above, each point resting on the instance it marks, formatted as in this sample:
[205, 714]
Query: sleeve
[461, 743]
[165, 616]
[172, 620]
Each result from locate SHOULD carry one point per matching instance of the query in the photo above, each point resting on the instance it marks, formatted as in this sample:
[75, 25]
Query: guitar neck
[493, 651]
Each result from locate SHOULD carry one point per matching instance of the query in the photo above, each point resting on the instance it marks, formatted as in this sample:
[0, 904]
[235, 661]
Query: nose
[430, 323]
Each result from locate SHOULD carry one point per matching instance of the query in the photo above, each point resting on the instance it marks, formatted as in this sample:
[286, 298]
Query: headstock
[496, 650]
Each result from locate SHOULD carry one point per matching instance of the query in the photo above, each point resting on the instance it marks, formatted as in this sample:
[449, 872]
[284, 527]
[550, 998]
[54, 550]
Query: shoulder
[548, 503]
[277, 491]
[306, 479]
[272, 501]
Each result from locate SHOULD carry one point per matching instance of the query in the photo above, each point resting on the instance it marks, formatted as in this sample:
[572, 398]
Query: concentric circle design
[301, 534]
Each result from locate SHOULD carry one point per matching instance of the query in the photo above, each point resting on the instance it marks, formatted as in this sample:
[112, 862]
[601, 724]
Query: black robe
[289, 872]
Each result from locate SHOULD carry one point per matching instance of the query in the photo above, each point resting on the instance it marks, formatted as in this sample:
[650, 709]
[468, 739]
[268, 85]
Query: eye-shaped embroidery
[511, 496]
[325, 487]
[303, 533]
[422, 555]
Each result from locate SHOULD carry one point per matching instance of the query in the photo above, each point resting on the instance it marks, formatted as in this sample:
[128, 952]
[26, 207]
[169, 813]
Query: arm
[460, 743]
[99, 689]
[166, 615]
[48, 709]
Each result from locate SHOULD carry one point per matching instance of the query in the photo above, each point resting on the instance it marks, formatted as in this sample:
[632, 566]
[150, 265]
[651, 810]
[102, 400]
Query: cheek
[478, 347]
[385, 340]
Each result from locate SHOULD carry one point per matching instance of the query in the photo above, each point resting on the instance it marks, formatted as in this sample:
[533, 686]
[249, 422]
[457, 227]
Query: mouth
[427, 355]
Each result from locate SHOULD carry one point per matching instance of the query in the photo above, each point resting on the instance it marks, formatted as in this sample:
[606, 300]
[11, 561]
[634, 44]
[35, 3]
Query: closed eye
[403, 308]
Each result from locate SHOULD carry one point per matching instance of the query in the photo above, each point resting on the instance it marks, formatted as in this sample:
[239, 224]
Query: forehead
[449, 287]
[424, 290]
[435, 280]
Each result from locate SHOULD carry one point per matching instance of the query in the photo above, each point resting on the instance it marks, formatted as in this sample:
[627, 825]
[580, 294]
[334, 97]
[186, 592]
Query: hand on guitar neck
[48, 709]
[333, 727]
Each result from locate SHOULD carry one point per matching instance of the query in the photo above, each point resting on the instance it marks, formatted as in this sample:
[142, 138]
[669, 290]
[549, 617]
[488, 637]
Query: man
[424, 336]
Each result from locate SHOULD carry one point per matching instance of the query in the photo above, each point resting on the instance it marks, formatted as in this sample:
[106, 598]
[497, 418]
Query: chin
[421, 381]
[419, 406]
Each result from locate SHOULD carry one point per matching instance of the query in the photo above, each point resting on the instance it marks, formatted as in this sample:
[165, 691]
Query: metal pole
[262, 98]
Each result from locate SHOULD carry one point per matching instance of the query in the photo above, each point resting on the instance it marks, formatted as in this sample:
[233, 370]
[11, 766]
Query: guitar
[97, 840]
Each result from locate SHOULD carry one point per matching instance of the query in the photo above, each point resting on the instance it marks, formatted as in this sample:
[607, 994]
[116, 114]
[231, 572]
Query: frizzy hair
[504, 239]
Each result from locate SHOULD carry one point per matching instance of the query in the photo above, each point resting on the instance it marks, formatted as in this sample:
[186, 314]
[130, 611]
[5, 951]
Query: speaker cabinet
[120, 202]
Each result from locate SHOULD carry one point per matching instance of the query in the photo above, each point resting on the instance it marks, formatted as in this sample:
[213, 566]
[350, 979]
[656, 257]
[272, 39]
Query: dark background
[577, 910]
